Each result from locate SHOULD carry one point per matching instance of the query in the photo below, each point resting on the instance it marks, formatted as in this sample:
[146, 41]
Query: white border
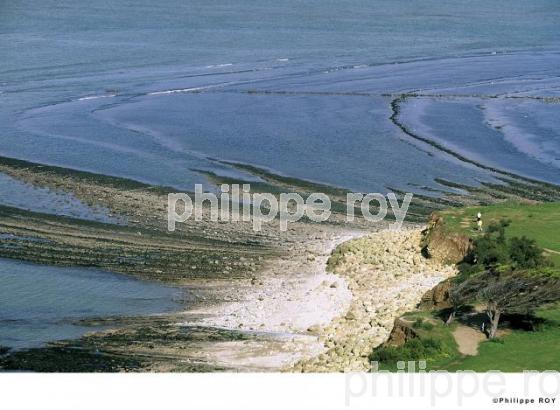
[274, 391]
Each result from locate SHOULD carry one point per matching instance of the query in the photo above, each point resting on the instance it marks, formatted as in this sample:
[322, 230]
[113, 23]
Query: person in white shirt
[479, 221]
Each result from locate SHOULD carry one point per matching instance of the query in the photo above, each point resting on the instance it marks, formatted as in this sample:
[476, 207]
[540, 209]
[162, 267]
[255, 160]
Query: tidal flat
[215, 262]
[255, 299]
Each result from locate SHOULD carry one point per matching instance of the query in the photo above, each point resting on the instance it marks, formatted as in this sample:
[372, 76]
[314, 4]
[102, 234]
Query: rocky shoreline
[217, 263]
[292, 295]
[261, 301]
[325, 321]
[387, 276]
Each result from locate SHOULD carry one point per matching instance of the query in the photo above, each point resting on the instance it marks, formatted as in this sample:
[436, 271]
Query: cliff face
[437, 297]
[443, 246]
[402, 332]
[387, 276]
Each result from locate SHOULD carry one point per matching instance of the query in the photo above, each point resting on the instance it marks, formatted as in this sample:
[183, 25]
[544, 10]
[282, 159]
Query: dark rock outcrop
[437, 297]
[444, 246]
[402, 332]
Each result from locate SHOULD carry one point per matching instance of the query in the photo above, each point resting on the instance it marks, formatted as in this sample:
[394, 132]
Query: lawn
[517, 351]
[539, 221]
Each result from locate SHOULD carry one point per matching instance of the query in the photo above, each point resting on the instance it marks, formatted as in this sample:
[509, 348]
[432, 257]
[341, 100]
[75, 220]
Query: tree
[510, 292]
[509, 276]
[491, 249]
[460, 294]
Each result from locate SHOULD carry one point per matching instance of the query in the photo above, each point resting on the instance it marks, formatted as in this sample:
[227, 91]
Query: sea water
[44, 303]
[156, 91]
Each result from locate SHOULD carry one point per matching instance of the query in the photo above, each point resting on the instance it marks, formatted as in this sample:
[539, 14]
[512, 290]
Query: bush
[413, 350]
[467, 269]
[427, 326]
[493, 250]
[490, 251]
[418, 322]
[388, 355]
[525, 253]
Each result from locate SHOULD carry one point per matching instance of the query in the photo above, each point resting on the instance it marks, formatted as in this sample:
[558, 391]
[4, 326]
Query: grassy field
[540, 222]
[516, 351]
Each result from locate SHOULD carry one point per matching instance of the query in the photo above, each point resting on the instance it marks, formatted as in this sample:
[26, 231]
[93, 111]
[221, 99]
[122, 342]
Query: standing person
[479, 221]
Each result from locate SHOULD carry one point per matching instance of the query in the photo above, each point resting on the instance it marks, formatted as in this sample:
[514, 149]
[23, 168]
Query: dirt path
[468, 339]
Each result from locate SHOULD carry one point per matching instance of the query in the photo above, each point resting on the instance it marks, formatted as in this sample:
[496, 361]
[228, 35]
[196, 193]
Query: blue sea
[155, 91]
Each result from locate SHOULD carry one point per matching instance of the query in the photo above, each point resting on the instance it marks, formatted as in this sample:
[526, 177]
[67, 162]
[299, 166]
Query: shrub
[493, 250]
[418, 322]
[388, 355]
[427, 326]
[490, 251]
[525, 253]
[413, 350]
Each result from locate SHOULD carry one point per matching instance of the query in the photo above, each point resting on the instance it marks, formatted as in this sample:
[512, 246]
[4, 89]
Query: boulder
[443, 246]
[437, 297]
[402, 332]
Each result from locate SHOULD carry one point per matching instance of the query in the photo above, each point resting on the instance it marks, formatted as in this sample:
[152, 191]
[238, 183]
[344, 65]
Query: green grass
[519, 351]
[516, 351]
[436, 331]
[540, 222]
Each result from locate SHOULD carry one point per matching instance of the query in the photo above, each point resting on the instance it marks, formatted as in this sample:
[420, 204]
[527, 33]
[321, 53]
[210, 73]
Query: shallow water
[43, 303]
[103, 88]
[518, 137]
[17, 194]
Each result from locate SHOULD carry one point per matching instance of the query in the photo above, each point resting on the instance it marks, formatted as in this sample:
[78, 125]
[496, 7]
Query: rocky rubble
[387, 276]
[286, 303]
